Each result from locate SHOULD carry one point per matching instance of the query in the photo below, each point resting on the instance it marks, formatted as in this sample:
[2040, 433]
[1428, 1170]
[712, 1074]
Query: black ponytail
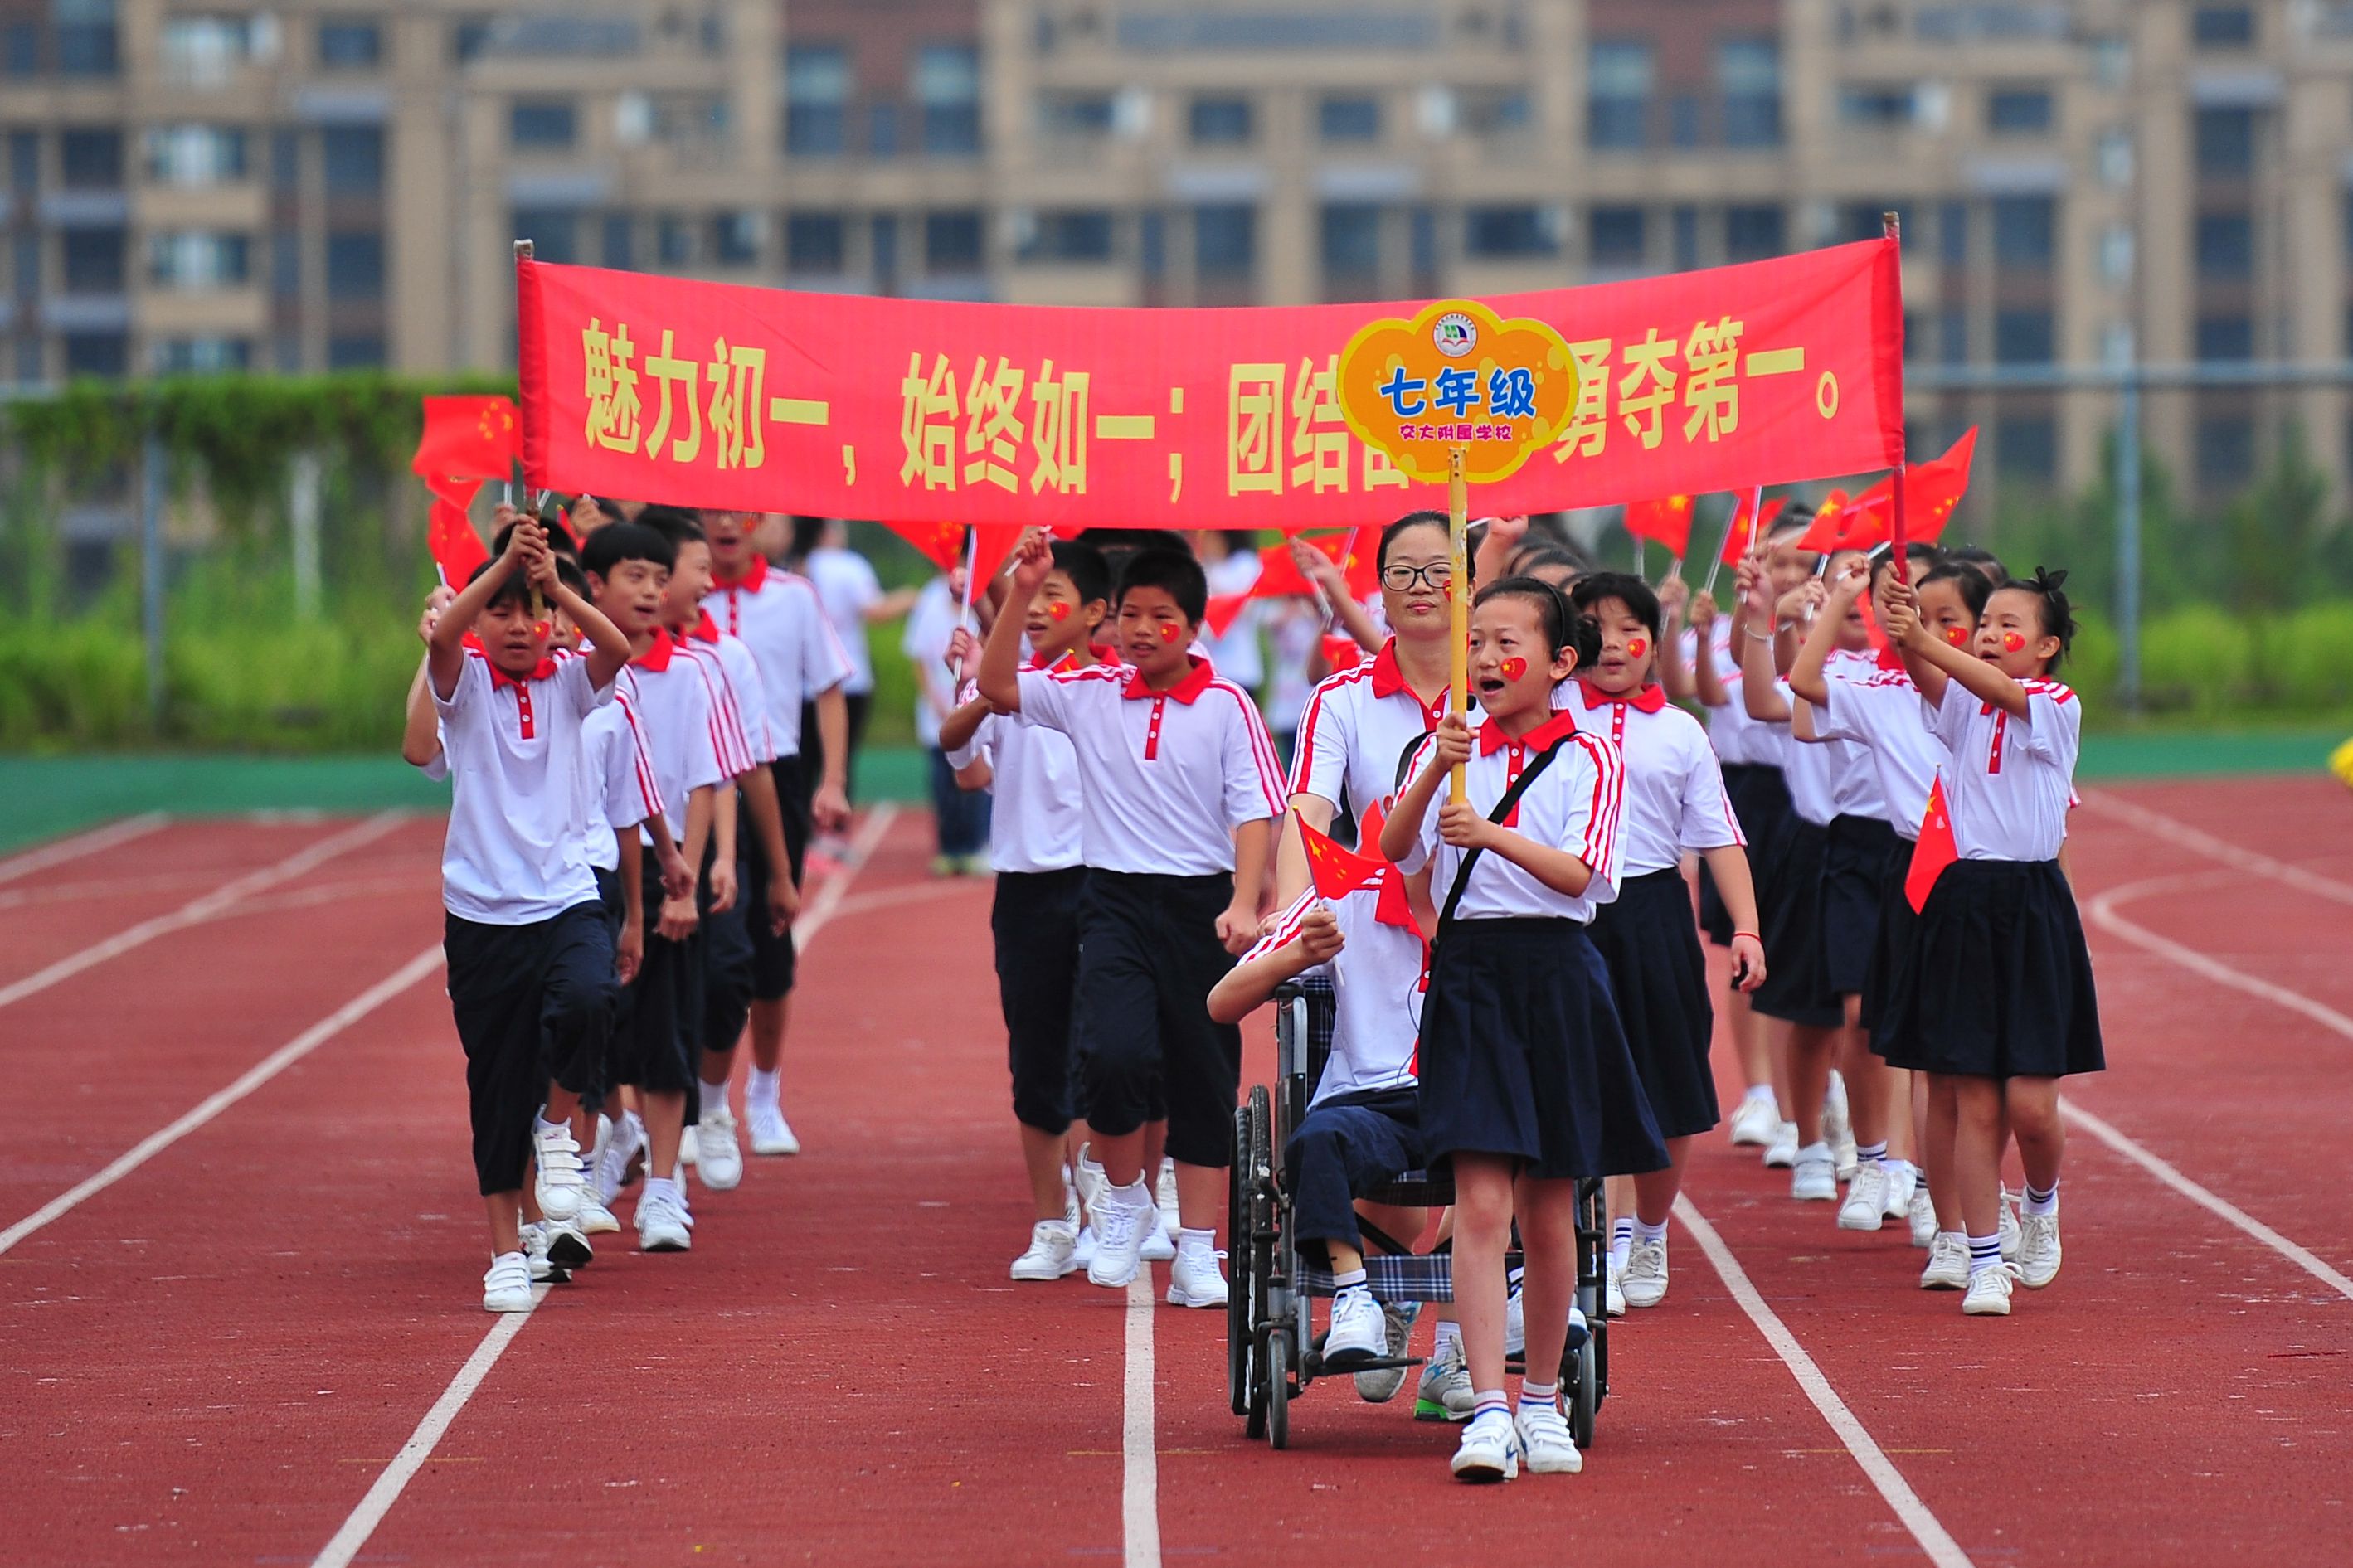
[1564, 627]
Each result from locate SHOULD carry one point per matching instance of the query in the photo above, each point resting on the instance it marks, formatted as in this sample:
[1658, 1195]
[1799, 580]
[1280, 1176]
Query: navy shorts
[1036, 922]
[773, 963]
[1149, 955]
[531, 1003]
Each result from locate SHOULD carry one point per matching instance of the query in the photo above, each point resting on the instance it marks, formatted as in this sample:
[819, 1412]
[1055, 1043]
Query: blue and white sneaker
[1490, 1449]
[1545, 1440]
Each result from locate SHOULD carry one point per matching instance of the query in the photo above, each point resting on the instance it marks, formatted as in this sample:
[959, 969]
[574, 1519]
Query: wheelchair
[1272, 1352]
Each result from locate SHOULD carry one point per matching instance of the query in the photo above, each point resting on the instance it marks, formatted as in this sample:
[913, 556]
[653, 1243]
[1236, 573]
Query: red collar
[706, 629]
[539, 671]
[1070, 660]
[1389, 679]
[754, 575]
[1492, 738]
[1187, 690]
[657, 657]
[1648, 699]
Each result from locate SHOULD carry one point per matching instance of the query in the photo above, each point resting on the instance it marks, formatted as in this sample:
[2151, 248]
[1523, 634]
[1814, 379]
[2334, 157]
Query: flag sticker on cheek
[543, 630]
[1957, 636]
[2013, 642]
[1514, 668]
[1058, 611]
[1170, 631]
[1636, 647]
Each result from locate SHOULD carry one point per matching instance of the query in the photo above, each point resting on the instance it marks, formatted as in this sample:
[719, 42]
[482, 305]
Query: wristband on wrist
[1749, 934]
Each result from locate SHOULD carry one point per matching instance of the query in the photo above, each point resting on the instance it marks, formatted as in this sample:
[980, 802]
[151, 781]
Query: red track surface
[213, 1358]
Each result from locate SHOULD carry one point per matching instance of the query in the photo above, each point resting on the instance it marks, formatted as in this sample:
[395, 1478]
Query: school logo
[1455, 334]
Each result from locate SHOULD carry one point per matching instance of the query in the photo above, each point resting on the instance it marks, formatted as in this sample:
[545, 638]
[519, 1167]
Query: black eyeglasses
[1438, 574]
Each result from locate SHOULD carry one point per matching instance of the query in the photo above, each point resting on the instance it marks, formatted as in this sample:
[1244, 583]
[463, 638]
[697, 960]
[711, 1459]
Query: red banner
[712, 394]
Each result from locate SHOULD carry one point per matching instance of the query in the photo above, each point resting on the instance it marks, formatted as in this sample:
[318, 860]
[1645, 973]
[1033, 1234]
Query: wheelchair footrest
[1312, 1363]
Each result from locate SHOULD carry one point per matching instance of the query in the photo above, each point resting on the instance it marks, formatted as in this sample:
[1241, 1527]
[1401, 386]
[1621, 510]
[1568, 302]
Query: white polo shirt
[1035, 817]
[1735, 736]
[1574, 805]
[1882, 712]
[1376, 987]
[514, 852]
[671, 701]
[1165, 776]
[1856, 789]
[617, 781]
[781, 619]
[2010, 779]
[739, 702]
[1355, 734]
[1675, 790]
[846, 586]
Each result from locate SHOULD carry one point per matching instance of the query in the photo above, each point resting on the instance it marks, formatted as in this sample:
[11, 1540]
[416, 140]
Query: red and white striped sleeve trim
[2057, 691]
[727, 736]
[1608, 798]
[1286, 927]
[1270, 768]
[1091, 673]
[649, 787]
[824, 624]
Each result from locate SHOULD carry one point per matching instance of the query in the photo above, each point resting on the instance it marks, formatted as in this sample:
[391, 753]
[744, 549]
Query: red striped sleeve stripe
[649, 787]
[1270, 769]
[1303, 761]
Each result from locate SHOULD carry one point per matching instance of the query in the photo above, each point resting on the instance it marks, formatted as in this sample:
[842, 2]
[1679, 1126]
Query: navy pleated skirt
[1854, 879]
[2000, 982]
[1760, 798]
[1659, 976]
[1797, 986]
[1522, 1055]
[1892, 950]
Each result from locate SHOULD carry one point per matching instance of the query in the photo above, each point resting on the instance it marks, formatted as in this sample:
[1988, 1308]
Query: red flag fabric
[1342, 653]
[717, 395]
[1933, 491]
[1338, 872]
[943, 543]
[469, 437]
[1224, 610]
[1748, 529]
[1666, 522]
[456, 548]
[1857, 524]
[1279, 574]
[1934, 852]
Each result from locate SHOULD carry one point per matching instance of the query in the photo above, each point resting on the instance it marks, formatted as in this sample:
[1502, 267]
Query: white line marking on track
[2102, 911]
[204, 908]
[340, 1552]
[253, 1078]
[59, 851]
[1139, 1502]
[1941, 1548]
[2175, 831]
[344, 1547]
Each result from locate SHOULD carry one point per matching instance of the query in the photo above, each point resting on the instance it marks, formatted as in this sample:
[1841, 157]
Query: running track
[239, 1259]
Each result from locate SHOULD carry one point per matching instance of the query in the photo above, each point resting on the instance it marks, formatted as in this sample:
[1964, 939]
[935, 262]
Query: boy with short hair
[1180, 790]
[529, 960]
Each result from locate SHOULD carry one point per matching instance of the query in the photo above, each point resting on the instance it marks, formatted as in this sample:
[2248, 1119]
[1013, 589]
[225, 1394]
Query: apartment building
[318, 184]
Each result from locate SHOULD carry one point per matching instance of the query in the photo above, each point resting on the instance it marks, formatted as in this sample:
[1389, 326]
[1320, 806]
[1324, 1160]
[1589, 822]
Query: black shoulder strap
[1501, 813]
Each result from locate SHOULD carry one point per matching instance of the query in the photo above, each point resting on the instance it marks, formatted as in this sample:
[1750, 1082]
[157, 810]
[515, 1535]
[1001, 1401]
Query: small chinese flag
[1934, 852]
[469, 437]
[1747, 526]
[456, 548]
[943, 543]
[1666, 522]
[1279, 574]
[1337, 872]
[1856, 524]
[1224, 610]
[1933, 490]
[1342, 653]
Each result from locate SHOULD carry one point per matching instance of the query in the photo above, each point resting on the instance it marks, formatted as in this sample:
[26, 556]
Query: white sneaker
[1194, 1278]
[1359, 1331]
[624, 1140]
[1159, 1235]
[1381, 1384]
[1837, 1128]
[1163, 1196]
[567, 1247]
[1903, 1179]
[771, 1133]
[1051, 1244]
[1088, 1178]
[690, 1147]
[2011, 1234]
[1782, 1152]
[533, 1234]
[1444, 1394]
[558, 1155]
[1948, 1263]
[1814, 1179]
[1119, 1235]
[2038, 1250]
[1922, 1215]
[1490, 1449]
[1515, 1325]
[1990, 1291]
[1865, 1208]
[1613, 1292]
[1756, 1122]
[1084, 1252]
[661, 1227]
[723, 1162]
[1544, 1442]
[1644, 1284]
[507, 1287]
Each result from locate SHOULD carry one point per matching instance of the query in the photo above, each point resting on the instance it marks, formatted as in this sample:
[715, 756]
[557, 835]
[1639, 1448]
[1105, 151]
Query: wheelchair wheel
[1278, 1386]
[1238, 1327]
[1584, 1397]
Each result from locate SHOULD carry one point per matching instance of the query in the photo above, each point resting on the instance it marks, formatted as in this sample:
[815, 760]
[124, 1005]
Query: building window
[2024, 232]
[193, 155]
[1510, 233]
[2018, 111]
[2226, 450]
[2022, 337]
[554, 233]
[1351, 241]
[200, 356]
[207, 52]
[1617, 237]
[198, 259]
[356, 264]
[1683, 228]
[1749, 77]
[1876, 103]
[350, 44]
[947, 87]
[286, 264]
[1070, 234]
[1225, 240]
[2222, 26]
[2226, 244]
[1349, 118]
[2225, 140]
[816, 98]
[97, 354]
[2226, 336]
[90, 159]
[1219, 121]
[952, 243]
[619, 241]
[94, 260]
[1952, 234]
[86, 39]
[1492, 110]
[543, 124]
[354, 155]
[815, 244]
[1952, 335]
[1076, 116]
[883, 249]
[469, 36]
[735, 239]
[673, 241]
[359, 351]
[2026, 447]
[1752, 232]
[20, 49]
[285, 162]
[1619, 78]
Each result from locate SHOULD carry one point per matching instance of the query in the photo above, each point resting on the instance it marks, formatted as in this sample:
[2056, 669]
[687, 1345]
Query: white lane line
[2198, 841]
[58, 852]
[1941, 1548]
[261, 1072]
[340, 1552]
[2207, 1199]
[1139, 1502]
[344, 1546]
[204, 907]
[2102, 912]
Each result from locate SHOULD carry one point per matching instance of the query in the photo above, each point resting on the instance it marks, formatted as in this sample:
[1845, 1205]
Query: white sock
[1897, 1169]
[657, 1187]
[1621, 1243]
[1203, 1242]
[714, 1098]
[1763, 1094]
[540, 1126]
[1817, 1150]
[1353, 1280]
[1871, 1153]
[1448, 1333]
[765, 1087]
[1646, 1234]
